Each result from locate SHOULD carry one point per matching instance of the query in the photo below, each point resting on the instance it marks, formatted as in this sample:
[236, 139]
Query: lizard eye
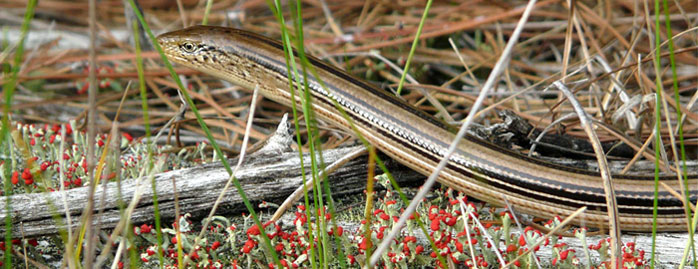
[188, 47]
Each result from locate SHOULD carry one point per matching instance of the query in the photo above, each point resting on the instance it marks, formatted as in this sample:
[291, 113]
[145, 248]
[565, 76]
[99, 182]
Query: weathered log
[263, 177]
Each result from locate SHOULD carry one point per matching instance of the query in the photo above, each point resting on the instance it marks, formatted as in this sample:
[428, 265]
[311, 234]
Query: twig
[298, 193]
[523, 232]
[243, 149]
[552, 232]
[611, 205]
[91, 133]
[469, 213]
[69, 244]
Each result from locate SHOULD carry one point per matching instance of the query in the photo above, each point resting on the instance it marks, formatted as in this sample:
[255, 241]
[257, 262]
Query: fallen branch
[263, 177]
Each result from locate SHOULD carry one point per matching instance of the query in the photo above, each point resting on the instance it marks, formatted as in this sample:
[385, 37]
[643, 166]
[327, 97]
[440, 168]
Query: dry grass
[610, 35]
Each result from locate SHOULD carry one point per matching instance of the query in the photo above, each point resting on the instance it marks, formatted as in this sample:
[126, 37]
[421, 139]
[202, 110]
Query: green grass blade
[149, 158]
[288, 54]
[657, 129]
[414, 46]
[316, 160]
[209, 136]
[682, 147]
[291, 66]
[9, 89]
[207, 11]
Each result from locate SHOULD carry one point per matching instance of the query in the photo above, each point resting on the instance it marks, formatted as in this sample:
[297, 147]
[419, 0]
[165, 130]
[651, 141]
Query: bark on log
[264, 178]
